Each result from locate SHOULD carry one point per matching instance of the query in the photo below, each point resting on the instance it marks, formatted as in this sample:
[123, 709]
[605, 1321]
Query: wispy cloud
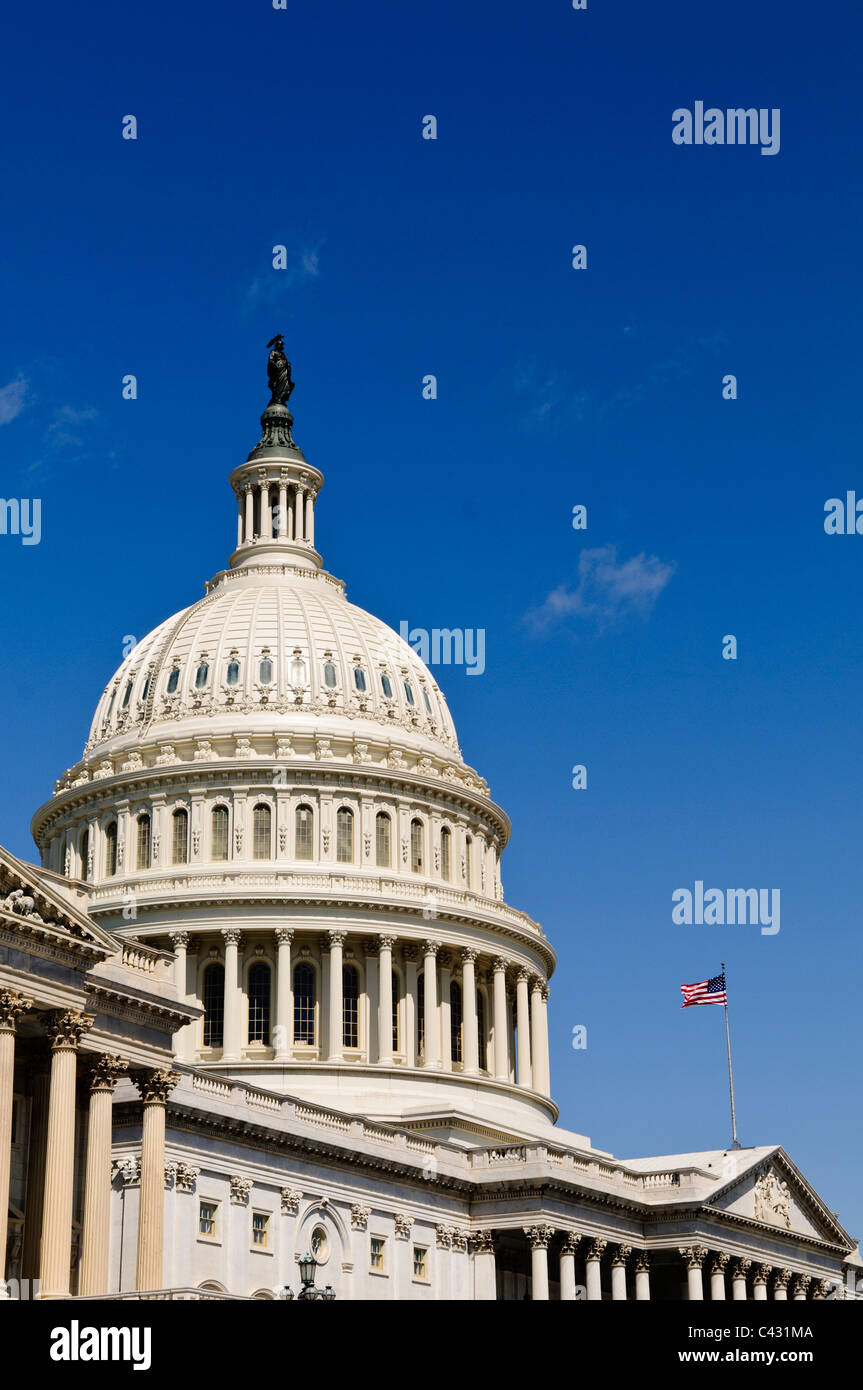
[608, 590]
[549, 397]
[13, 398]
[64, 430]
[269, 289]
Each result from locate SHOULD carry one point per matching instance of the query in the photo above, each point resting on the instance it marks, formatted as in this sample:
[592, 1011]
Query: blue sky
[555, 387]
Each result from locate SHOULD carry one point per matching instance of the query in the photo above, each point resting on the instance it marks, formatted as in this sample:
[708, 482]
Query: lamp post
[308, 1268]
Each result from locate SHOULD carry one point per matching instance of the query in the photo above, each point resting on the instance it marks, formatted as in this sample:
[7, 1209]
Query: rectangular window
[260, 1224]
[420, 1262]
[376, 1254]
[207, 1220]
[303, 838]
[382, 840]
[143, 856]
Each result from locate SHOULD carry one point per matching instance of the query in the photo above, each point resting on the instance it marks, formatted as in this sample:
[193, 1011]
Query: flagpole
[734, 1144]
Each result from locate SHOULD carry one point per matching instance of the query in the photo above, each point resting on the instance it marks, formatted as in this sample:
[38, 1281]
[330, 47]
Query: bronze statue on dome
[279, 378]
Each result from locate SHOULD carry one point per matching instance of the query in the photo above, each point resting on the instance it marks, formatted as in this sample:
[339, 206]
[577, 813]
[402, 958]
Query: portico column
[180, 943]
[484, 1271]
[594, 1277]
[538, 1239]
[97, 1185]
[431, 1025]
[799, 1287]
[780, 1284]
[759, 1283]
[37, 1141]
[12, 1006]
[567, 1267]
[523, 1024]
[738, 1280]
[499, 1020]
[468, 1004]
[336, 940]
[154, 1088]
[642, 1277]
[385, 999]
[299, 530]
[65, 1028]
[717, 1276]
[231, 1047]
[283, 1035]
[618, 1272]
[250, 511]
[694, 1257]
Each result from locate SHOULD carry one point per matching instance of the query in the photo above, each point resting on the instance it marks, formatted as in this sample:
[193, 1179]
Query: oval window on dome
[329, 674]
[128, 695]
[145, 692]
[201, 675]
[265, 671]
[233, 676]
[359, 678]
[409, 693]
[427, 701]
[173, 680]
[387, 686]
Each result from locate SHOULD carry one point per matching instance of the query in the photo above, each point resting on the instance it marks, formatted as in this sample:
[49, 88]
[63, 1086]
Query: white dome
[273, 649]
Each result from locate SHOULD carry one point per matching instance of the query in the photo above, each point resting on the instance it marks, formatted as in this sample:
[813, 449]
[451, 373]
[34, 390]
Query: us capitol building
[262, 997]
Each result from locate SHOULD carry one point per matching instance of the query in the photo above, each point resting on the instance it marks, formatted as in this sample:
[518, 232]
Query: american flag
[705, 992]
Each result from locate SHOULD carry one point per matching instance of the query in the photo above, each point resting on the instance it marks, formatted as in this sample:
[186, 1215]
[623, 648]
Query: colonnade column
[642, 1276]
[266, 515]
[499, 1020]
[250, 511]
[336, 940]
[694, 1257]
[154, 1088]
[310, 517]
[618, 1272]
[385, 999]
[299, 531]
[717, 1276]
[283, 1033]
[484, 1271]
[239, 518]
[468, 998]
[95, 1246]
[180, 944]
[12, 1006]
[593, 1276]
[523, 1024]
[431, 1029]
[538, 1239]
[65, 1028]
[780, 1284]
[538, 1042]
[231, 1040]
[567, 1267]
[40, 1088]
[738, 1280]
[283, 510]
[759, 1283]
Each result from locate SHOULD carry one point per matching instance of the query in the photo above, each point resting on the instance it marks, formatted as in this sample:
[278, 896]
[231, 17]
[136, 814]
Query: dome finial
[279, 377]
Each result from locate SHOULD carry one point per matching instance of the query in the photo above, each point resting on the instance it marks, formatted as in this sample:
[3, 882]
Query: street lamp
[308, 1268]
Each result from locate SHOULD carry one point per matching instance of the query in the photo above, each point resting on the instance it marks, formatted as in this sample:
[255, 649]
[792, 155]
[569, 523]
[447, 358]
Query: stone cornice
[50, 942]
[112, 999]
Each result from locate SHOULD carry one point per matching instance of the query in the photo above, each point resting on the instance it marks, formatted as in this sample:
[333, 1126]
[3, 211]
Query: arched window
[219, 833]
[409, 692]
[142, 843]
[259, 1002]
[350, 1006]
[468, 861]
[330, 677]
[421, 1015]
[179, 837]
[202, 675]
[145, 692]
[445, 854]
[111, 850]
[480, 1029]
[261, 833]
[265, 671]
[344, 835]
[427, 701]
[233, 673]
[304, 1004]
[359, 679]
[387, 686]
[383, 840]
[173, 680]
[303, 832]
[416, 846]
[455, 1021]
[127, 695]
[396, 999]
[84, 850]
[214, 1005]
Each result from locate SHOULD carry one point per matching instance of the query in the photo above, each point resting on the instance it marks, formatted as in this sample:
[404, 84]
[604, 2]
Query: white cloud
[608, 590]
[13, 399]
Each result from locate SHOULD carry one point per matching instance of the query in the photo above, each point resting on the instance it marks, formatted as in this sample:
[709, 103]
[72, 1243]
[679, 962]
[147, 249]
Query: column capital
[469, 955]
[740, 1269]
[621, 1254]
[596, 1249]
[336, 938]
[570, 1242]
[232, 936]
[801, 1284]
[66, 1027]
[822, 1288]
[482, 1242]
[179, 940]
[781, 1278]
[500, 963]
[694, 1255]
[762, 1274]
[522, 974]
[106, 1070]
[719, 1262]
[386, 943]
[544, 991]
[12, 1006]
[538, 1237]
[284, 936]
[642, 1262]
[431, 948]
[536, 983]
[154, 1087]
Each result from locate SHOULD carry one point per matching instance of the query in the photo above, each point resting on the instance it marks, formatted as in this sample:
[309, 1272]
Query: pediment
[775, 1193]
[30, 904]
